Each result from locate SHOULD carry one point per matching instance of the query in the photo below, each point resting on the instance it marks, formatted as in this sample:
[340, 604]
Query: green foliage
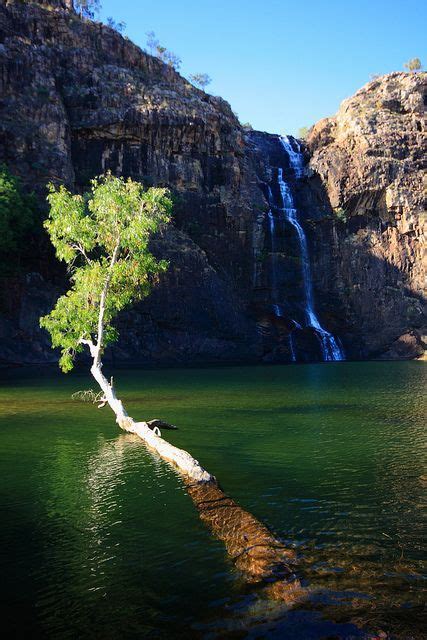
[303, 132]
[18, 216]
[103, 236]
[248, 126]
[413, 65]
[341, 214]
[169, 58]
[201, 80]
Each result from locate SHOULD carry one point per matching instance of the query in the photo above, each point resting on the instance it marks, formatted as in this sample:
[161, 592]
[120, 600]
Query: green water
[100, 540]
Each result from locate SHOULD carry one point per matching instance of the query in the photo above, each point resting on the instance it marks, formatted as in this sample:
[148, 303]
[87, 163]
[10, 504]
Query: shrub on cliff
[201, 80]
[158, 50]
[413, 65]
[117, 26]
[19, 215]
[87, 8]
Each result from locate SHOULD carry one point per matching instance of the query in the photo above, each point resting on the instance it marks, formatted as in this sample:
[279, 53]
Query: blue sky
[281, 64]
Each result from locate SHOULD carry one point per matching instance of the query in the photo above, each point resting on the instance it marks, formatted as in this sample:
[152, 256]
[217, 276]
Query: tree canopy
[303, 132]
[413, 65]
[200, 80]
[103, 237]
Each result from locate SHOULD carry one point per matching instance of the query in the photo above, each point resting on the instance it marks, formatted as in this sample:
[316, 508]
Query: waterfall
[273, 273]
[330, 348]
[296, 159]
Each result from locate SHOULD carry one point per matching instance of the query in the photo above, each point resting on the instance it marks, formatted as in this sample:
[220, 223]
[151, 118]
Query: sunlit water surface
[100, 540]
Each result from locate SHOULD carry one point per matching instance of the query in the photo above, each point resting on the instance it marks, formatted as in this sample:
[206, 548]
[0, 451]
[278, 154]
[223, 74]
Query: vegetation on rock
[19, 215]
[200, 80]
[414, 64]
[158, 50]
[117, 26]
[87, 8]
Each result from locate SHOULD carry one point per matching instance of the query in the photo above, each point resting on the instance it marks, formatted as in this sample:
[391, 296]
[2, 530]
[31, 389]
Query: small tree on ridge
[200, 80]
[413, 65]
[87, 8]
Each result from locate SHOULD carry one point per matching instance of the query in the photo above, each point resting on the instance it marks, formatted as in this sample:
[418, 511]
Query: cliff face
[370, 158]
[78, 99]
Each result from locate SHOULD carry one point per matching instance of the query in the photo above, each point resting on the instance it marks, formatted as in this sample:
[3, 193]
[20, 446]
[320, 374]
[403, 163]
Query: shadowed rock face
[370, 159]
[78, 99]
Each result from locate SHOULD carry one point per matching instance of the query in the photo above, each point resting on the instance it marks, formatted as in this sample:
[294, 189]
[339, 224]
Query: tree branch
[78, 247]
[90, 344]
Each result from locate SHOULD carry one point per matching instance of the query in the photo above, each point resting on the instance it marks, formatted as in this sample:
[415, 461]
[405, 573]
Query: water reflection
[103, 541]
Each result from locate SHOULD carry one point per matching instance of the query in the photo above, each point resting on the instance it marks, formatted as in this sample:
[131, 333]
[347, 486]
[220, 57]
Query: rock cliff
[371, 161]
[78, 99]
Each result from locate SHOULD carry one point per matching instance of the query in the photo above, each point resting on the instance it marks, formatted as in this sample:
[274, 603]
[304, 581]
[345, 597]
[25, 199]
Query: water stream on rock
[285, 209]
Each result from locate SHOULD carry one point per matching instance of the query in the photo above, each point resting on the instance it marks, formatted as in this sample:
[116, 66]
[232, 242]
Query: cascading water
[296, 158]
[274, 291]
[331, 351]
[272, 223]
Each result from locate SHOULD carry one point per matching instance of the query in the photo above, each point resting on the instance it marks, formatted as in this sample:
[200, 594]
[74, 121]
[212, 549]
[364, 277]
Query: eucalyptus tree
[413, 65]
[103, 237]
[87, 8]
[200, 80]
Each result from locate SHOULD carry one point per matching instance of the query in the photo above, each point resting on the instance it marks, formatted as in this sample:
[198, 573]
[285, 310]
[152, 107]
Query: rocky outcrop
[370, 159]
[78, 99]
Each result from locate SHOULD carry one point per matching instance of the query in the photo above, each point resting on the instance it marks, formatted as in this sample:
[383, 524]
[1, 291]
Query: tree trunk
[180, 458]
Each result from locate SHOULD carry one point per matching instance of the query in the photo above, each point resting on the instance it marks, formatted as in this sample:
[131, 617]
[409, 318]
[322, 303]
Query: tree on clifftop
[156, 49]
[413, 65]
[200, 80]
[87, 8]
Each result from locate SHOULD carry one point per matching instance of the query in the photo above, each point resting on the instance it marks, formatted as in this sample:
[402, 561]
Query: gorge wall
[78, 99]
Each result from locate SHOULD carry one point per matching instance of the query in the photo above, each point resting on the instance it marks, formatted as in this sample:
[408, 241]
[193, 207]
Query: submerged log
[256, 552]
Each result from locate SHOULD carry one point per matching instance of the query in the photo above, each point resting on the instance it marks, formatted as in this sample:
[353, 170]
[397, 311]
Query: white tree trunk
[180, 458]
